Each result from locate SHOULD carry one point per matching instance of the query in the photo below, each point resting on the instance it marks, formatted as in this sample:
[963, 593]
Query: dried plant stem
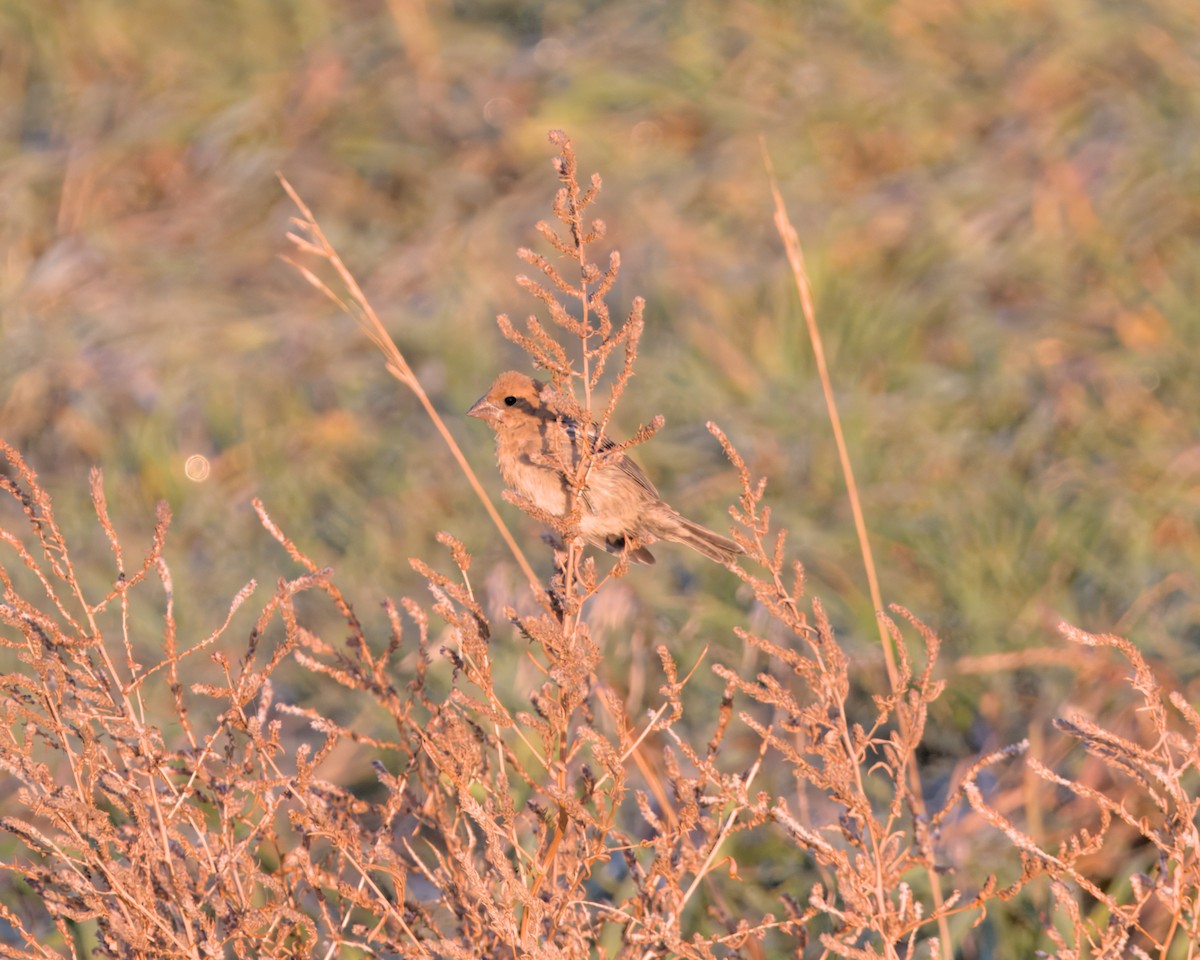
[795, 255]
[519, 815]
[727, 826]
[362, 311]
[568, 177]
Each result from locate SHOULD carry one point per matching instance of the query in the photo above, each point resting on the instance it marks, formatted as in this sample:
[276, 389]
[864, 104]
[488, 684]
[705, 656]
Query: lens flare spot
[197, 468]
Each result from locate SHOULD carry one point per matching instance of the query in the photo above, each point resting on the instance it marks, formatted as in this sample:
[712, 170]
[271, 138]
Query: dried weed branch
[172, 802]
[1134, 820]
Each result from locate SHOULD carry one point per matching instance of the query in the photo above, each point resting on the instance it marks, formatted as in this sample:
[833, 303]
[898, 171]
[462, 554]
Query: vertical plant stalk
[569, 205]
[795, 255]
[360, 309]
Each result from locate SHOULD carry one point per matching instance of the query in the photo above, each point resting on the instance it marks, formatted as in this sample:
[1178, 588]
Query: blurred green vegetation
[999, 202]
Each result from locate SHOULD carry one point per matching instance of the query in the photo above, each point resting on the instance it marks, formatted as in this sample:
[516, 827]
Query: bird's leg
[615, 543]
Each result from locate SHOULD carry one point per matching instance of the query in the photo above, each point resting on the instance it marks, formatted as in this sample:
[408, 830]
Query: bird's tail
[702, 540]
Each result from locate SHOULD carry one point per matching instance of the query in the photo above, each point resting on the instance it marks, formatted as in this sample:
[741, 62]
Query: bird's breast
[537, 482]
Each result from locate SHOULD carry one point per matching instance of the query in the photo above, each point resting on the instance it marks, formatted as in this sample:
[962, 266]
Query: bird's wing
[619, 462]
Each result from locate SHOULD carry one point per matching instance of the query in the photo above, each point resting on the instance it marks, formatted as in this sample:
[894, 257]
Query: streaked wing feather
[623, 463]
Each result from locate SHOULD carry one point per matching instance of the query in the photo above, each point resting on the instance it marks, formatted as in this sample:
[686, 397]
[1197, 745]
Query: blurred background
[999, 202]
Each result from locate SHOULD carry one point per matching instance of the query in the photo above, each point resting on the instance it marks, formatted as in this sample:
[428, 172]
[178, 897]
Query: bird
[621, 510]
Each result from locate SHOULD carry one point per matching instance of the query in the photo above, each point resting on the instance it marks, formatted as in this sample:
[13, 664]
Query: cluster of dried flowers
[157, 817]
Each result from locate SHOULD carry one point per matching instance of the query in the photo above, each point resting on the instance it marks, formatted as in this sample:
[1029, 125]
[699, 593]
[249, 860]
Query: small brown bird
[622, 511]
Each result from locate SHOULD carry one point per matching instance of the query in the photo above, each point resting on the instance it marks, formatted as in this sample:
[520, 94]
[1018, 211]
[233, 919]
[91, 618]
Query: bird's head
[513, 396]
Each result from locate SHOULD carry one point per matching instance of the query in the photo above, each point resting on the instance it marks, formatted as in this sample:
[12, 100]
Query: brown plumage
[622, 511]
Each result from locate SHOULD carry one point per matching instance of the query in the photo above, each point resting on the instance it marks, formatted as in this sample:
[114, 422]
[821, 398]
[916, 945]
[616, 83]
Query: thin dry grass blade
[795, 255]
[397, 365]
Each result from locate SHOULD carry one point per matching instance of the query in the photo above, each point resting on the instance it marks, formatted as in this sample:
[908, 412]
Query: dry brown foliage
[553, 824]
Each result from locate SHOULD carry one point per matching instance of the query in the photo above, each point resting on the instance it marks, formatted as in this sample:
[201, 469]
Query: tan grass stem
[795, 255]
[364, 314]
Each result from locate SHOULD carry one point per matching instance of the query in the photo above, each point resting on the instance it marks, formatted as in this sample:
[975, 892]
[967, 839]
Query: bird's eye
[510, 401]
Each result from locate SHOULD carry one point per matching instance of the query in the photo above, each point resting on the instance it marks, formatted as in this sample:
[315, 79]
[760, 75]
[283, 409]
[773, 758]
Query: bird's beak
[484, 409]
